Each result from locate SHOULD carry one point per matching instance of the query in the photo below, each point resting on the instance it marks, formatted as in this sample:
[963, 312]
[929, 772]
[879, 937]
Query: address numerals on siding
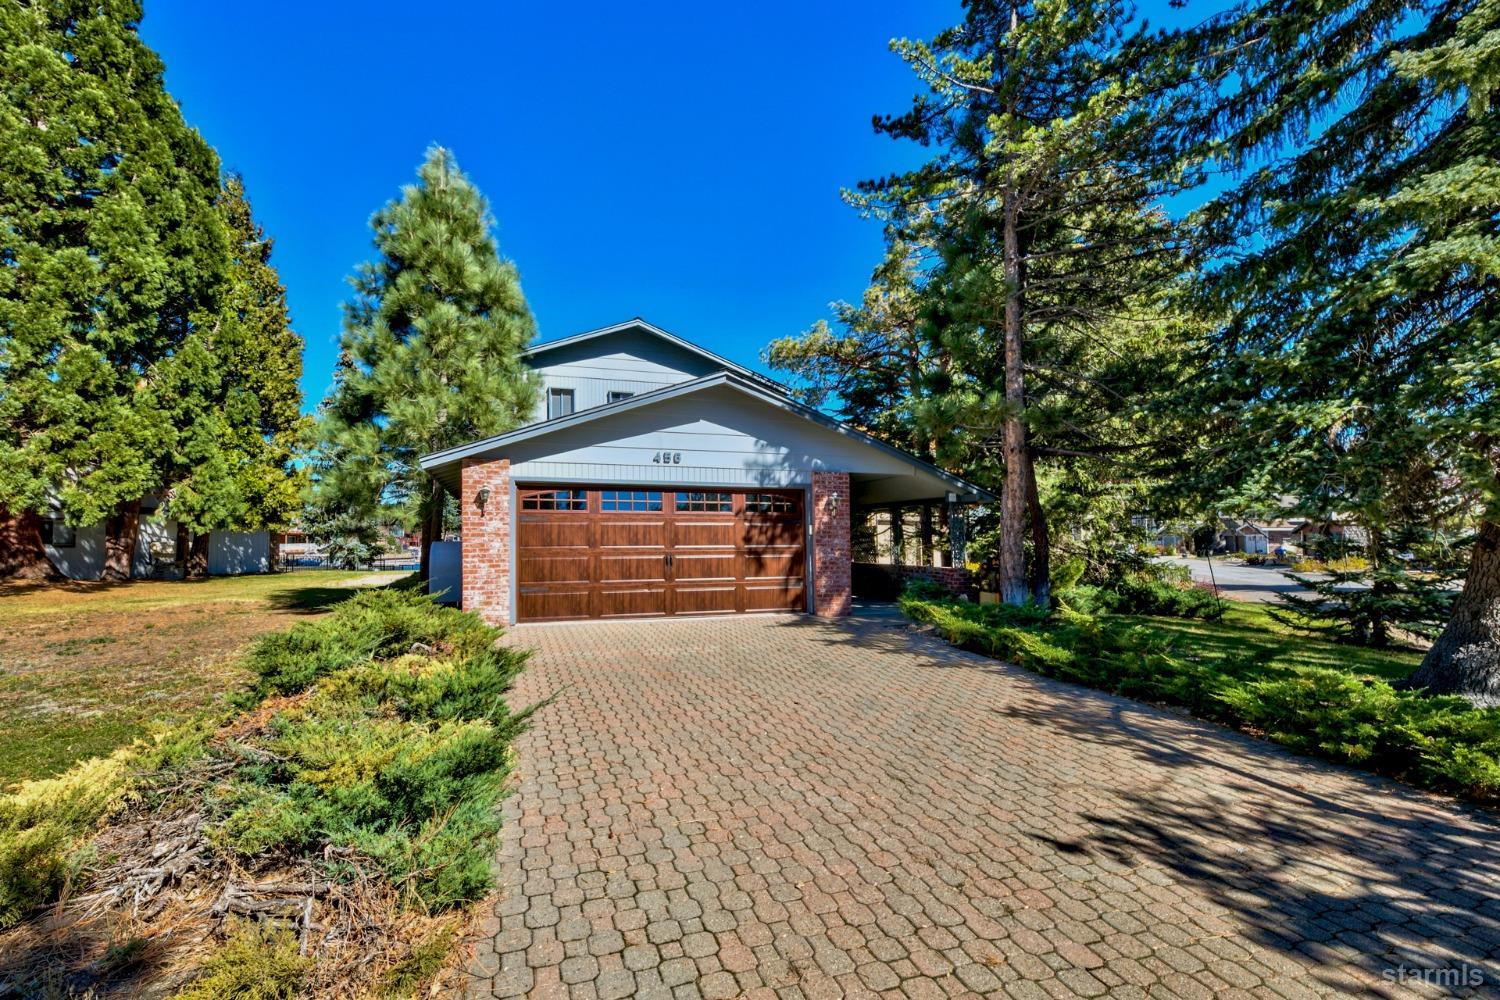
[667, 458]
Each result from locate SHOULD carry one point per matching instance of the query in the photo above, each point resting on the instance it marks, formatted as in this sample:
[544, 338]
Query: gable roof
[639, 324]
[732, 380]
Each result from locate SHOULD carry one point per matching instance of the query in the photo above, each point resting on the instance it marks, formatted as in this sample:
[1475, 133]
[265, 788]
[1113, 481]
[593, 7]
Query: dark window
[559, 403]
[708, 503]
[615, 395]
[556, 500]
[768, 503]
[59, 533]
[629, 500]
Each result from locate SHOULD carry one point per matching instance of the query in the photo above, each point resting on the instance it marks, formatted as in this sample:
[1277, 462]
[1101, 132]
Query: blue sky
[678, 163]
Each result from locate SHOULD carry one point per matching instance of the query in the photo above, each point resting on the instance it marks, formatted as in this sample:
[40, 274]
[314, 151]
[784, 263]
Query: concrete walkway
[781, 807]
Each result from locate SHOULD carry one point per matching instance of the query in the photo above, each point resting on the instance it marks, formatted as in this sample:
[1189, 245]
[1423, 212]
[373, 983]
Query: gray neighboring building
[78, 553]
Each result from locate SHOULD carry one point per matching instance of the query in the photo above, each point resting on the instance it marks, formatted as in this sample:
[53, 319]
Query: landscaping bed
[323, 838]
[1316, 697]
[87, 667]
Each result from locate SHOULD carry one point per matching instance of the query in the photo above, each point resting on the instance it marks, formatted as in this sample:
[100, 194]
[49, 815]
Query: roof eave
[638, 323]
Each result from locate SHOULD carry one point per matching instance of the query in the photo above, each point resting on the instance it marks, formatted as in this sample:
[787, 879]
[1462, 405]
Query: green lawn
[1249, 628]
[88, 667]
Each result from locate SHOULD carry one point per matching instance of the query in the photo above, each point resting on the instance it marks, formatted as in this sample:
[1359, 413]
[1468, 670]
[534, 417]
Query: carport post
[832, 586]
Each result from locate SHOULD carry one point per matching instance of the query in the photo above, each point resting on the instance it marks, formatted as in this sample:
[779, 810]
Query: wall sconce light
[482, 497]
[833, 503]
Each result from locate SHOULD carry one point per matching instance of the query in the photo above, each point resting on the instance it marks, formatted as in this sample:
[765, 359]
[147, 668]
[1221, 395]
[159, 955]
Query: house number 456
[667, 458]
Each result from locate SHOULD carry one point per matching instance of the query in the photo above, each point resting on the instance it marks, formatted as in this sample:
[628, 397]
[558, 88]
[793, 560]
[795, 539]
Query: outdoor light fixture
[482, 497]
[833, 502]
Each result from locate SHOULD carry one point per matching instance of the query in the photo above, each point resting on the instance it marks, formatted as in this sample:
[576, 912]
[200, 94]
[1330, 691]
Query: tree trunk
[22, 554]
[1465, 660]
[1012, 554]
[180, 550]
[197, 559]
[898, 537]
[120, 532]
[1041, 540]
[432, 529]
[1380, 589]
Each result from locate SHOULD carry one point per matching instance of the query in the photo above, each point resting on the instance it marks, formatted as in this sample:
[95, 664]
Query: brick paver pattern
[779, 806]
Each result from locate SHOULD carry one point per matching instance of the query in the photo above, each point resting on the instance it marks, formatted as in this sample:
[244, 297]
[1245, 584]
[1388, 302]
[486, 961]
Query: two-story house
[661, 479]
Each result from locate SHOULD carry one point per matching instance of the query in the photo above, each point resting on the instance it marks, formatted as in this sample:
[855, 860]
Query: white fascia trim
[656, 331]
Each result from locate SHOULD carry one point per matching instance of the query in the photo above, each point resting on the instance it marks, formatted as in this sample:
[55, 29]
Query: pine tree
[115, 257]
[878, 364]
[432, 349]
[1360, 296]
[238, 400]
[1053, 123]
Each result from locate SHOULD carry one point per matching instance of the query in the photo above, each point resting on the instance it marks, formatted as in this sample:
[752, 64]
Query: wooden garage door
[620, 552]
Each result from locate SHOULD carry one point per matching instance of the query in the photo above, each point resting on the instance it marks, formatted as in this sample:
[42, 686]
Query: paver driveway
[776, 806]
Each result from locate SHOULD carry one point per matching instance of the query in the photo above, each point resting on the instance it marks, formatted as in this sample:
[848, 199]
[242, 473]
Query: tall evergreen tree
[432, 349]
[237, 399]
[877, 364]
[1357, 263]
[114, 254]
[1053, 124]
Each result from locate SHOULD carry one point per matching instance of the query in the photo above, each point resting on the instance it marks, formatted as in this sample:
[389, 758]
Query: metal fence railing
[395, 562]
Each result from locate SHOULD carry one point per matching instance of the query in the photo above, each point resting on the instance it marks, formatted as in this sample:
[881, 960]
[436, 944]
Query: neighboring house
[78, 553]
[1257, 535]
[662, 479]
[1308, 532]
[1169, 537]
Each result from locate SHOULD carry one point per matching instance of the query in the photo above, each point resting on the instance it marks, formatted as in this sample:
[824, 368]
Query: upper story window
[59, 533]
[616, 395]
[707, 503]
[555, 500]
[559, 403]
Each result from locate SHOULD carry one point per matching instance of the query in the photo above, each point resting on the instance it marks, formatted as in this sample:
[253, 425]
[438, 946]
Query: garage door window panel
[574, 500]
[629, 500]
[706, 503]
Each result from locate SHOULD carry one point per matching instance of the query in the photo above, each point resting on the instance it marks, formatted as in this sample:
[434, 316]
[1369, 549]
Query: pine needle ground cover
[1246, 671]
[87, 667]
[323, 838]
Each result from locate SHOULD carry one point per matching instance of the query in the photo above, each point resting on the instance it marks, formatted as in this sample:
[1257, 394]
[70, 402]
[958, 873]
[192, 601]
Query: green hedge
[1442, 743]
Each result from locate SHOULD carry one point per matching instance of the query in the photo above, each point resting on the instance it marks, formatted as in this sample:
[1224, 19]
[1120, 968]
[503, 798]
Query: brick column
[486, 539]
[831, 550]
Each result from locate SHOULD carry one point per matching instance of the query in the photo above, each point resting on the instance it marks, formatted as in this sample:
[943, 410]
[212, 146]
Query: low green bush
[44, 823]
[374, 624]
[925, 589]
[1438, 742]
[399, 757]
[1141, 594]
[256, 962]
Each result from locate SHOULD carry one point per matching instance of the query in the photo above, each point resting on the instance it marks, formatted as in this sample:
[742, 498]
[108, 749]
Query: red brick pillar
[486, 538]
[832, 595]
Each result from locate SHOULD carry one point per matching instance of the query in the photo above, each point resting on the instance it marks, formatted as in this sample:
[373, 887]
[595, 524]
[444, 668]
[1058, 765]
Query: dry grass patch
[87, 667]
